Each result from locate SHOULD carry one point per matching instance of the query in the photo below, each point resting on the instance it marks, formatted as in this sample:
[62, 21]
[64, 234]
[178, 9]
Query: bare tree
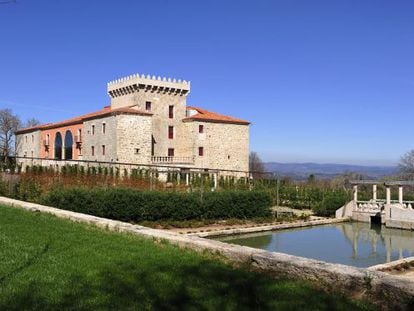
[256, 165]
[406, 165]
[9, 124]
[32, 122]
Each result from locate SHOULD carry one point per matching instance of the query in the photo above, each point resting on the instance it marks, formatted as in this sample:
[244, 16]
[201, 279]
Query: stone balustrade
[172, 160]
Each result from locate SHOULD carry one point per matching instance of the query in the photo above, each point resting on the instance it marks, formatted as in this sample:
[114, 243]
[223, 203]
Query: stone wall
[133, 132]
[98, 139]
[226, 146]
[29, 144]
[399, 217]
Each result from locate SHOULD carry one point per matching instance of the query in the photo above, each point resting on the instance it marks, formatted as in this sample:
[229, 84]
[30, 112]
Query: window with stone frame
[148, 106]
[171, 112]
[170, 152]
[171, 132]
[201, 151]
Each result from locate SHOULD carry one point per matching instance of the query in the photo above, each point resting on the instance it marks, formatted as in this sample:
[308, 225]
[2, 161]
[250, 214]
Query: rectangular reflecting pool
[350, 243]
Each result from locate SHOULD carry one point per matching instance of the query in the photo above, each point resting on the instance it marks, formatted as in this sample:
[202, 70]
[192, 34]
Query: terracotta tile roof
[208, 116]
[106, 111]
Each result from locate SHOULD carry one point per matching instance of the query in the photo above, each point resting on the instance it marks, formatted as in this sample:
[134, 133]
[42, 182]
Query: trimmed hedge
[132, 205]
[330, 203]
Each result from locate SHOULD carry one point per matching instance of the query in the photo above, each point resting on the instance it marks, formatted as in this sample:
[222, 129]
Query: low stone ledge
[291, 225]
[392, 264]
[392, 291]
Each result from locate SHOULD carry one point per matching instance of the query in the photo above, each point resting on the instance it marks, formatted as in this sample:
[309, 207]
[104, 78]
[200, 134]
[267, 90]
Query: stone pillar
[374, 193]
[187, 179]
[178, 177]
[215, 181]
[388, 195]
[63, 149]
[355, 193]
[400, 194]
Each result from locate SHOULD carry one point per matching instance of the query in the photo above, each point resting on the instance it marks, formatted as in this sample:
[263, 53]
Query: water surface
[350, 243]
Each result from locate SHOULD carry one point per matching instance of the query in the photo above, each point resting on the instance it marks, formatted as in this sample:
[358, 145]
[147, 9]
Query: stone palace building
[147, 122]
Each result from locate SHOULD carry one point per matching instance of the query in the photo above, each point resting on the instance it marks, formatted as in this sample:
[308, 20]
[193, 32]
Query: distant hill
[301, 171]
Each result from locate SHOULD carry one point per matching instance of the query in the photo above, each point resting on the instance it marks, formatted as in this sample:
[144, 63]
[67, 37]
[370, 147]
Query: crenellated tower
[165, 98]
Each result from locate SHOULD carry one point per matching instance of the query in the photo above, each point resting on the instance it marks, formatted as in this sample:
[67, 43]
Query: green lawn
[48, 263]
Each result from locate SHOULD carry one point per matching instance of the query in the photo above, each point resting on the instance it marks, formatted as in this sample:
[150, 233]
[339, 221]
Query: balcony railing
[172, 160]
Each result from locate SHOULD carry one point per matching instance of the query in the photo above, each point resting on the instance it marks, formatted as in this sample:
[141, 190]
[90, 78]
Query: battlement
[141, 83]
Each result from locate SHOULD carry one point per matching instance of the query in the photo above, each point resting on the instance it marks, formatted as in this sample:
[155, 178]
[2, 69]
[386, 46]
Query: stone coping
[391, 291]
[290, 225]
[392, 264]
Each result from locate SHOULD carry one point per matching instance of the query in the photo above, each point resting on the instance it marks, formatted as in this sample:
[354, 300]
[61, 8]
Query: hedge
[330, 203]
[132, 205]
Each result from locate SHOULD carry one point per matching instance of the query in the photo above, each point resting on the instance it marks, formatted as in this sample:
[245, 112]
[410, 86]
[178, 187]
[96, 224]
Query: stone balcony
[172, 160]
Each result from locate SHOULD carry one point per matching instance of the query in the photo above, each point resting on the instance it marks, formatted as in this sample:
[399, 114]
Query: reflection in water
[352, 243]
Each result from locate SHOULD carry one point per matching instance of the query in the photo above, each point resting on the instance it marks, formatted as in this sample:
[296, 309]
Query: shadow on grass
[29, 262]
[206, 286]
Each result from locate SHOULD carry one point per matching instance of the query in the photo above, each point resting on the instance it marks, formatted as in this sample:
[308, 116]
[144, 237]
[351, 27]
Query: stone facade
[148, 122]
[157, 97]
[225, 146]
[134, 139]
[29, 144]
[98, 133]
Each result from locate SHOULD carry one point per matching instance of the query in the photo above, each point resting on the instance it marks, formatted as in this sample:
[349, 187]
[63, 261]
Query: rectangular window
[93, 129]
[171, 112]
[200, 151]
[201, 129]
[103, 128]
[25, 138]
[93, 151]
[148, 106]
[32, 138]
[103, 149]
[171, 132]
[170, 152]
[79, 137]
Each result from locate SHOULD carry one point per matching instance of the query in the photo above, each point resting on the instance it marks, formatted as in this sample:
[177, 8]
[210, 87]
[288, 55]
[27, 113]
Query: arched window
[68, 145]
[58, 146]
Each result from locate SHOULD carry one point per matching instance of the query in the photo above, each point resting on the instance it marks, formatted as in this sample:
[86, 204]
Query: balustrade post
[374, 193]
[400, 194]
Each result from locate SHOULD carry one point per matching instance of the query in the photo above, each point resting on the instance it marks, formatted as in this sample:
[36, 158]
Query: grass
[48, 263]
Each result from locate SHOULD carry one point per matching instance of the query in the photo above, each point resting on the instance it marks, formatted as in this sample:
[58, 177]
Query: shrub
[331, 202]
[132, 205]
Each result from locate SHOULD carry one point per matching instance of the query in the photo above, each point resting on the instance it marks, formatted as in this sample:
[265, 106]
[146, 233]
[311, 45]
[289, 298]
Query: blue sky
[321, 81]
